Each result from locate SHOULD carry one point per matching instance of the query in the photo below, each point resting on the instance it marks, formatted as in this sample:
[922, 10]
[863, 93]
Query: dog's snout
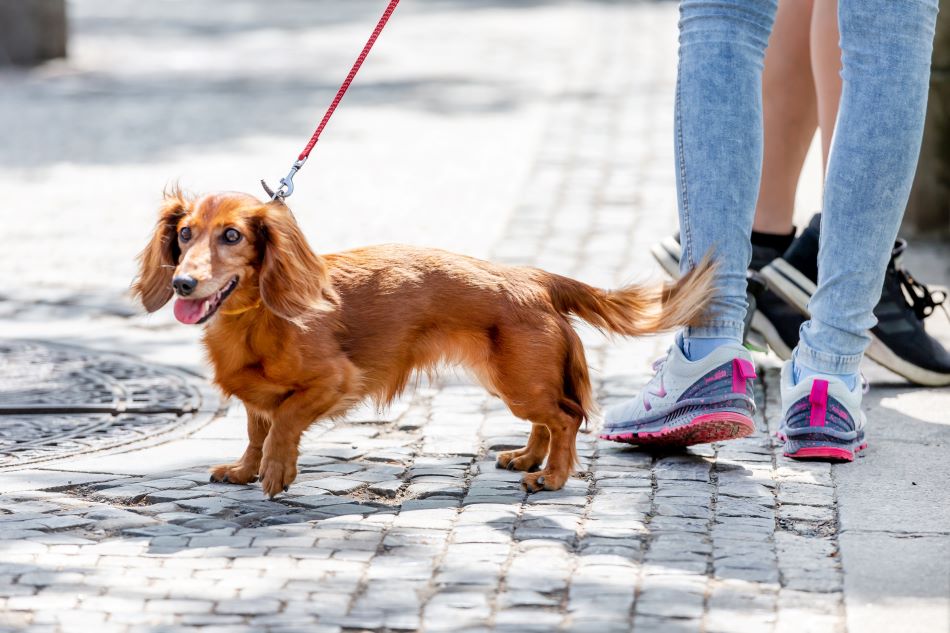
[184, 285]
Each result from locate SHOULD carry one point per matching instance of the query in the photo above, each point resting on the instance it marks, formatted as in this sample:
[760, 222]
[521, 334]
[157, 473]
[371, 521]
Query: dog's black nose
[184, 285]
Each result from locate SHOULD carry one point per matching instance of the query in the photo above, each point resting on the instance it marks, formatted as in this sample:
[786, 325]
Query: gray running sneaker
[822, 418]
[689, 402]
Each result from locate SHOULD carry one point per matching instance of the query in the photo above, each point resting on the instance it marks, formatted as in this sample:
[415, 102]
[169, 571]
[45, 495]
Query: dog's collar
[253, 306]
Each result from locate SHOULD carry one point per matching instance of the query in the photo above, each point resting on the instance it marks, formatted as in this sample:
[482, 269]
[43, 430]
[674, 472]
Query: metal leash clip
[286, 188]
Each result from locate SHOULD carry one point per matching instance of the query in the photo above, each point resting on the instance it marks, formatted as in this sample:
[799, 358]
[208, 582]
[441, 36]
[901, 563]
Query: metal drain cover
[57, 401]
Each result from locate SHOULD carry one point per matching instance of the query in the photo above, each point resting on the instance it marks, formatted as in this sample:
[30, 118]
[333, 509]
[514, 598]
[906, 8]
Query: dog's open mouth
[193, 311]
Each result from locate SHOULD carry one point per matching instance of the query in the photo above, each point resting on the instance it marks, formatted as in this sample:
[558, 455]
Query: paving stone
[341, 468]
[211, 526]
[528, 620]
[173, 483]
[385, 487]
[526, 598]
[806, 494]
[337, 452]
[174, 495]
[426, 490]
[597, 625]
[116, 519]
[247, 607]
[123, 493]
[729, 507]
[693, 511]
[160, 530]
[208, 505]
[670, 603]
[338, 485]
[346, 509]
[211, 620]
[806, 513]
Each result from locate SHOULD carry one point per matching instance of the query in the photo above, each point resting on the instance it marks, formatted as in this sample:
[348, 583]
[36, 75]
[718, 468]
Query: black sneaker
[899, 341]
[770, 321]
[777, 321]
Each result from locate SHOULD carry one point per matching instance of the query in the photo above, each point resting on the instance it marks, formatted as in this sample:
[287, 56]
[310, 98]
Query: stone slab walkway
[399, 520]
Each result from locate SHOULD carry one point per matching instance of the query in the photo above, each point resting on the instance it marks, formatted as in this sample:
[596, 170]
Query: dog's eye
[184, 234]
[231, 236]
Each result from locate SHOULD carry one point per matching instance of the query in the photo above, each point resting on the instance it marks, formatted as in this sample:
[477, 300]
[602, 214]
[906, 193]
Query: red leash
[287, 183]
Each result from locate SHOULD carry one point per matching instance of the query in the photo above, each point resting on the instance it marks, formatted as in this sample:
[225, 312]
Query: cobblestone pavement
[399, 520]
[402, 522]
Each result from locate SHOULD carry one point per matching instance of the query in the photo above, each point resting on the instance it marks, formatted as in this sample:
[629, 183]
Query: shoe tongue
[189, 311]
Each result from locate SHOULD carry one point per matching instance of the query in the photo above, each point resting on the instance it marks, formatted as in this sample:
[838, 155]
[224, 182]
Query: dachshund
[298, 336]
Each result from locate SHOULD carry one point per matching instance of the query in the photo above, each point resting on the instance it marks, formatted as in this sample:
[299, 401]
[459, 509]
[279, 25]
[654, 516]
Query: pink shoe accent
[742, 371]
[711, 427]
[659, 393]
[823, 452]
[818, 398]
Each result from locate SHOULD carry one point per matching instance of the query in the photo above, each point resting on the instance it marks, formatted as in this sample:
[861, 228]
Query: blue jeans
[886, 48]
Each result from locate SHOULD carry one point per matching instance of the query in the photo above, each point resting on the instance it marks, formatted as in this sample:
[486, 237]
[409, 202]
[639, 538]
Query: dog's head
[231, 250]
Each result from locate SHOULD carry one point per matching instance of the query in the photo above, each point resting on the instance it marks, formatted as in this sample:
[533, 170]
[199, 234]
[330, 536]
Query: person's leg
[886, 47]
[702, 391]
[719, 150]
[825, 57]
[789, 114]
[790, 119]
[900, 340]
[826, 69]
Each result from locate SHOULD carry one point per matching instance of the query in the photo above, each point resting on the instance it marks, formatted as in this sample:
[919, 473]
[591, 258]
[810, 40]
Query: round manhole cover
[57, 401]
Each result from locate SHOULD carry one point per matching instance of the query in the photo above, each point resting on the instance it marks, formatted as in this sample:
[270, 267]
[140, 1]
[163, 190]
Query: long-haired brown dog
[297, 336]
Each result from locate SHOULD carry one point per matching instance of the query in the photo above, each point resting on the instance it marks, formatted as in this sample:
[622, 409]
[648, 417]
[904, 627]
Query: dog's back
[405, 308]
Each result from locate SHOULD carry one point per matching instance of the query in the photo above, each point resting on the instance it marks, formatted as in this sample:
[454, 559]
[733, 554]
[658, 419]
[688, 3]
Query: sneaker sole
[825, 453]
[790, 285]
[667, 254]
[884, 356]
[703, 429]
[796, 289]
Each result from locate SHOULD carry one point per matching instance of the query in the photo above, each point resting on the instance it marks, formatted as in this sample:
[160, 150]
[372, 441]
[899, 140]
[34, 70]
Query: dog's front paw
[277, 475]
[237, 473]
[545, 480]
[515, 460]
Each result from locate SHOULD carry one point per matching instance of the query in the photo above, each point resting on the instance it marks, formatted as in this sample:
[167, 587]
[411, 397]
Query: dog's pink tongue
[189, 311]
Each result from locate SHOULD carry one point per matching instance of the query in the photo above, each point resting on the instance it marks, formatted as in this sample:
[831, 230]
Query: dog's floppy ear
[157, 261]
[294, 280]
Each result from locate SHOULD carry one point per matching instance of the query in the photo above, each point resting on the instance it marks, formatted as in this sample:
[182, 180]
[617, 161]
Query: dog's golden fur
[304, 336]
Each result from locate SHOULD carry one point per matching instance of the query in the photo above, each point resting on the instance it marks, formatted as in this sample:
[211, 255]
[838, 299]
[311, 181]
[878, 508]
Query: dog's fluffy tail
[638, 309]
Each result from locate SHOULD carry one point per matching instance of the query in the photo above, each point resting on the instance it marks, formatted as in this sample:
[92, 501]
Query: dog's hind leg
[244, 470]
[561, 457]
[531, 456]
[539, 373]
